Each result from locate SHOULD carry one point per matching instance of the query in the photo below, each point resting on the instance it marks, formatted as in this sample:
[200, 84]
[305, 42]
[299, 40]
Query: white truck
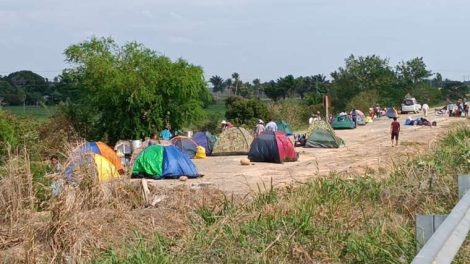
[410, 105]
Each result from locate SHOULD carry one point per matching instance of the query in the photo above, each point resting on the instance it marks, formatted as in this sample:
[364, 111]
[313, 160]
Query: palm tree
[217, 83]
[257, 84]
[236, 83]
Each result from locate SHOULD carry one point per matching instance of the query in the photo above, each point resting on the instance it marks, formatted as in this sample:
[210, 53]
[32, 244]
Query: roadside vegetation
[342, 218]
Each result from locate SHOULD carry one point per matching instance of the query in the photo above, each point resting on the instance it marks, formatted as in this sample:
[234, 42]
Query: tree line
[363, 80]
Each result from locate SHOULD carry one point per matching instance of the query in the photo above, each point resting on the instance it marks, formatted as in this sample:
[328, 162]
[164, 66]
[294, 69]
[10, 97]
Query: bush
[242, 111]
[294, 112]
[363, 101]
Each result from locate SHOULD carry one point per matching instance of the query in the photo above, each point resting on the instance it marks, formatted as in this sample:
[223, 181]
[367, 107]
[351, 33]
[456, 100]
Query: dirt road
[366, 147]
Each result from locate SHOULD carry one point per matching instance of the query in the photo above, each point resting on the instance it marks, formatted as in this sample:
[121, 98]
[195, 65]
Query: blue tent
[157, 162]
[205, 140]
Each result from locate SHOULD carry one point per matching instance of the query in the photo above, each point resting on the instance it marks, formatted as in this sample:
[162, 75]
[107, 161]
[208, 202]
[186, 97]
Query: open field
[367, 148]
[39, 112]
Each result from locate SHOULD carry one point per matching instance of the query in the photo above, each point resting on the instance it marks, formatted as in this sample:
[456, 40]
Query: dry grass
[87, 219]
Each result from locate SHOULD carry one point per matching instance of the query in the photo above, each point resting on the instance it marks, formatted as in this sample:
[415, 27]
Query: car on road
[410, 105]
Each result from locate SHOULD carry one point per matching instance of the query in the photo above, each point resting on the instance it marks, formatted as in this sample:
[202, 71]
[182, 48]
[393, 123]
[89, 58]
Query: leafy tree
[245, 111]
[364, 74]
[412, 73]
[218, 83]
[33, 85]
[130, 91]
[286, 85]
[454, 90]
[273, 90]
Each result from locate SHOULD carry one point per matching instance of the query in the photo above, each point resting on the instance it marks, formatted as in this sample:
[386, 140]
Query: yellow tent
[105, 169]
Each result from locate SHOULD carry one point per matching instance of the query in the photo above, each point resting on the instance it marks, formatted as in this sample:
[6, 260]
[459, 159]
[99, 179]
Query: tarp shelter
[272, 147]
[233, 141]
[205, 140]
[391, 113]
[158, 161]
[186, 145]
[342, 122]
[321, 135]
[284, 127]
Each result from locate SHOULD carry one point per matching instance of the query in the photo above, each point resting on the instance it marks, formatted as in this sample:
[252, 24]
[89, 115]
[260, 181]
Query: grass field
[39, 112]
[218, 108]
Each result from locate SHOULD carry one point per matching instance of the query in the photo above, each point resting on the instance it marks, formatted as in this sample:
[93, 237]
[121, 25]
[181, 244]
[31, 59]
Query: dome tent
[272, 147]
[233, 141]
[205, 140]
[94, 157]
[284, 127]
[186, 145]
[321, 135]
[158, 161]
[342, 122]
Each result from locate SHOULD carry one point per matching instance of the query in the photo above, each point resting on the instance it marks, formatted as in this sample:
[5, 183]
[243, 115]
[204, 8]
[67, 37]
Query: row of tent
[171, 161]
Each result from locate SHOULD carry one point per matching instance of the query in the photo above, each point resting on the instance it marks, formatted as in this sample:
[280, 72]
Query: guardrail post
[464, 185]
[426, 225]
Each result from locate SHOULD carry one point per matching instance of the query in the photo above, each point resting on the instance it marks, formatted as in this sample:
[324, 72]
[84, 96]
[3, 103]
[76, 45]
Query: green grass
[217, 109]
[41, 113]
[338, 219]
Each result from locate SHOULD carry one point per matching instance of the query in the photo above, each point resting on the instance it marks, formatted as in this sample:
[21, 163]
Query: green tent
[284, 127]
[150, 161]
[321, 135]
[343, 122]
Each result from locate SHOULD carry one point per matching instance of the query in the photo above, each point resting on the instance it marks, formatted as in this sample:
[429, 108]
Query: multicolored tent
[272, 147]
[157, 162]
[321, 135]
[205, 140]
[96, 157]
[342, 122]
[233, 141]
[186, 145]
[391, 112]
[284, 127]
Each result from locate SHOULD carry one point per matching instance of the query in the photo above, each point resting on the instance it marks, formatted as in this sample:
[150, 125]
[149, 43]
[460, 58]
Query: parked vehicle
[410, 105]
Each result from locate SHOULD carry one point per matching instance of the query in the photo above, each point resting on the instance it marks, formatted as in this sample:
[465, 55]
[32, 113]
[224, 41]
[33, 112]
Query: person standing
[425, 109]
[271, 126]
[395, 130]
[311, 119]
[354, 116]
[259, 127]
[465, 109]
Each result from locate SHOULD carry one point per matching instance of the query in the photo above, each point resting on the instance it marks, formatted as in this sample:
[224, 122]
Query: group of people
[260, 127]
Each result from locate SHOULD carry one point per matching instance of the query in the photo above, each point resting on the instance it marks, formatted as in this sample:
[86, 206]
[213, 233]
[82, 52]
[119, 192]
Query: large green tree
[130, 91]
[365, 74]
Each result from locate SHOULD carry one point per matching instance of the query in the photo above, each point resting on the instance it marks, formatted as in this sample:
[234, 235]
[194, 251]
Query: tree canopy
[130, 91]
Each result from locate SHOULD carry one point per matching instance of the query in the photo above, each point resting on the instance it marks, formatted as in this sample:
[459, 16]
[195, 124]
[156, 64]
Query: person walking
[259, 127]
[395, 130]
[354, 116]
[425, 109]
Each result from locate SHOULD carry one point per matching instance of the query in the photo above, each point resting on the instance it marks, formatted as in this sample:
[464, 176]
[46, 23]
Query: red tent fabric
[285, 147]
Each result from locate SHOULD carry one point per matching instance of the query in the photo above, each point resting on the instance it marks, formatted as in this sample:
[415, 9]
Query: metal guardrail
[445, 243]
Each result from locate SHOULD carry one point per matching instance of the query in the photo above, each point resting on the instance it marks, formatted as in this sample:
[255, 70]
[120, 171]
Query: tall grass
[337, 219]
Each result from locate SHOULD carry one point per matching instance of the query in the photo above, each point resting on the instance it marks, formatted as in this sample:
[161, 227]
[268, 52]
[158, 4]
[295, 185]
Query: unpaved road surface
[367, 147]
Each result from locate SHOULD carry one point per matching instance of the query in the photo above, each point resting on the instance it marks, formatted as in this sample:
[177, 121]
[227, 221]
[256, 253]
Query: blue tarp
[176, 164]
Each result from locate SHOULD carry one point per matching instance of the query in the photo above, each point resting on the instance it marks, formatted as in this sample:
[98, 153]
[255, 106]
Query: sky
[263, 39]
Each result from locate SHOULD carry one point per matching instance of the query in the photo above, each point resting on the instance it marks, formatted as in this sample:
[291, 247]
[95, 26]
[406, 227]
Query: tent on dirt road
[342, 122]
[205, 140]
[233, 141]
[391, 113]
[272, 147]
[321, 135]
[158, 161]
[284, 127]
[186, 145]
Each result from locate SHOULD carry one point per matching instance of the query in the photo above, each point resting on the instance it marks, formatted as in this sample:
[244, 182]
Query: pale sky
[263, 39]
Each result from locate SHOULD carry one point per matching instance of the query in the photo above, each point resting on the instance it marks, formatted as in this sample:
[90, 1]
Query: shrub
[242, 111]
[294, 112]
[363, 101]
